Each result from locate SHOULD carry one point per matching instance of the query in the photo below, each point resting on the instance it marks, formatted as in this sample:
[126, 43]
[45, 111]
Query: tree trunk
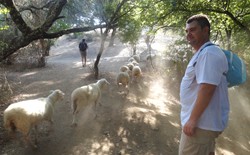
[112, 39]
[147, 40]
[96, 70]
[134, 49]
[229, 34]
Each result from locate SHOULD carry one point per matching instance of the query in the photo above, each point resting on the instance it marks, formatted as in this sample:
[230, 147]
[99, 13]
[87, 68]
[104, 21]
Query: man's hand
[189, 128]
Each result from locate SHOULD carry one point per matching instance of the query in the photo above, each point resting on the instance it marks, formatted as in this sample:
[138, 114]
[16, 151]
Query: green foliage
[3, 16]
[4, 11]
[130, 31]
[5, 27]
[230, 20]
[130, 27]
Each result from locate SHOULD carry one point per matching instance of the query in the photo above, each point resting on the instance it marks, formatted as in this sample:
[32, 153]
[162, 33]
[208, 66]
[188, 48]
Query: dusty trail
[144, 123]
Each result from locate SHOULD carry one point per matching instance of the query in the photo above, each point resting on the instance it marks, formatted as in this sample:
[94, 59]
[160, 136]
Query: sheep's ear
[51, 91]
[107, 82]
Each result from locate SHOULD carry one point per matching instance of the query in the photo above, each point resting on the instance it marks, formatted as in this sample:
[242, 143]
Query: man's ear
[206, 29]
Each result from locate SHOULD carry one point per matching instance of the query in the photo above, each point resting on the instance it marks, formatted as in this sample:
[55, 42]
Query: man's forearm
[205, 94]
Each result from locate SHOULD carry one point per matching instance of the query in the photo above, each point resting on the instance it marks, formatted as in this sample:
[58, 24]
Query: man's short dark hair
[202, 20]
[83, 40]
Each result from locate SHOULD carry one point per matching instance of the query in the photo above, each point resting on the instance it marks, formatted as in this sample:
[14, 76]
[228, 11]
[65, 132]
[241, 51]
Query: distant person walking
[83, 46]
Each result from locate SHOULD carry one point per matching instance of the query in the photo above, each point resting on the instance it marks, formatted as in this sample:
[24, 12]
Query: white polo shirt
[210, 65]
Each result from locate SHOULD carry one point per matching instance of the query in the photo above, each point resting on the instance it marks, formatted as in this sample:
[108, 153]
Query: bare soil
[146, 122]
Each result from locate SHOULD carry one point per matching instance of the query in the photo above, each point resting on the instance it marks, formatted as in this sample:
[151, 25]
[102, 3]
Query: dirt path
[146, 122]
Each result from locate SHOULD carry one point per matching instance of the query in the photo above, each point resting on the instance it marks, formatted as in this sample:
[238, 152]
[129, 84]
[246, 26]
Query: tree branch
[68, 31]
[23, 41]
[229, 14]
[53, 13]
[16, 17]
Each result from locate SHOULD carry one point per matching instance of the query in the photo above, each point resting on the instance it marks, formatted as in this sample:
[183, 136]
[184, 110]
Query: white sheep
[135, 63]
[124, 68]
[84, 95]
[123, 80]
[130, 66]
[131, 59]
[25, 115]
[136, 73]
[134, 58]
[137, 58]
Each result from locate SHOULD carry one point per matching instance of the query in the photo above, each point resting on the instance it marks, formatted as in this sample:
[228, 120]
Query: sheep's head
[58, 94]
[124, 68]
[103, 83]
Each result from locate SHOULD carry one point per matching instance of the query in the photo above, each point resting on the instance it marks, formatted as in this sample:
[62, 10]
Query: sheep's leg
[11, 130]
[36, 133]
[34, 145]
[75, 111]
[12, 134]
[96, 102]
[126, 90]
[51, 122]
[119, 86]
[137, 79]
[28, 140]
[74, 122]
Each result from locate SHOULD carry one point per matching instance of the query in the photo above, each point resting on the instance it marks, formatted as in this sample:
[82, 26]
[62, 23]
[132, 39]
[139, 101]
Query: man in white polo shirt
[203, 91]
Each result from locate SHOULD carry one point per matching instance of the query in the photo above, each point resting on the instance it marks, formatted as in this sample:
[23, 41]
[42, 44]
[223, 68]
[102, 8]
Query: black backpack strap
[194, 63]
